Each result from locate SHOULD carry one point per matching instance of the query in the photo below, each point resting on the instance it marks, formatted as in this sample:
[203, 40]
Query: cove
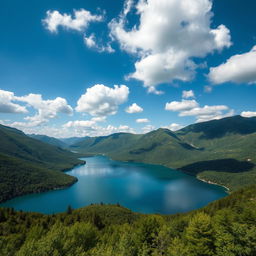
[140, 187]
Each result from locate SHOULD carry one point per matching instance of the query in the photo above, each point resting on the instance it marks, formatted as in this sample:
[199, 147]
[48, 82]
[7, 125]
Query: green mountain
[223, 228]
[105, 144]
[219, 151]
[72, 140]
[222, 151]
[28, 165]
[49, 140]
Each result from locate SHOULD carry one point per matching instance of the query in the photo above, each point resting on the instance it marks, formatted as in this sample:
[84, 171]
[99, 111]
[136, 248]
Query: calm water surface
[140, 187]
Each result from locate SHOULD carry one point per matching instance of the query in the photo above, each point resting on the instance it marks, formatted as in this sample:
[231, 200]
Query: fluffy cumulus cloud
[91, 42]
[134, 108]
[239, 68]
[248, 114]
[101, 101]
[207, 113]
[79, 22]
[142, 120]
[174, 127]
[202, 114]
[7, 105]
[90, 128]
[181, 105]
[46, 109]
[169, 34]
[188, 94]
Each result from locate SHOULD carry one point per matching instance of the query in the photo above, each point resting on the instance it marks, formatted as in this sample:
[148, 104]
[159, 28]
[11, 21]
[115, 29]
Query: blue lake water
[141, 187]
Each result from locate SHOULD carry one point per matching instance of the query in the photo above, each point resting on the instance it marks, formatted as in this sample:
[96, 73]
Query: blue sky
[77, 68]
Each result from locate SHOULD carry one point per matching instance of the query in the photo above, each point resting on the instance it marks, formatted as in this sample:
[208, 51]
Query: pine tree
[199, 236]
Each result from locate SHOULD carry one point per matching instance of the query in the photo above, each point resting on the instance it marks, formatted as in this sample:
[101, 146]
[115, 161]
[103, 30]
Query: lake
[141, 187]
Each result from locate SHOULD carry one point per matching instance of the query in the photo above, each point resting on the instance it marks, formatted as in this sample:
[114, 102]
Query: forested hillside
[28, 165]
[221, 151]
[49, 140]
[223, 228]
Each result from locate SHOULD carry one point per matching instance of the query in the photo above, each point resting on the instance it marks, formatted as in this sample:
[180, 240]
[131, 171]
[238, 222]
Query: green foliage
[199, 235]
[30, 166]
[223, 228]
[216, 151]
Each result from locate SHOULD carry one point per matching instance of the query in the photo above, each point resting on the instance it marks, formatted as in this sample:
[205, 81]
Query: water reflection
[140, 187]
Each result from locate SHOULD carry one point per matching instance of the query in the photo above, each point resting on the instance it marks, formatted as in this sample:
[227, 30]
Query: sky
[97, 67]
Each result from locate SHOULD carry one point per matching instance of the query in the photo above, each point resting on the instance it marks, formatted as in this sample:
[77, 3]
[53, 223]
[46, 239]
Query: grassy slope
[191, 149]
[28, 165]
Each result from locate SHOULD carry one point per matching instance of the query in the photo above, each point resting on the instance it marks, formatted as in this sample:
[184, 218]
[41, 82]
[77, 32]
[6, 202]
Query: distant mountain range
[28, 165]
[219, 151]
[50, 140]
[62, 143]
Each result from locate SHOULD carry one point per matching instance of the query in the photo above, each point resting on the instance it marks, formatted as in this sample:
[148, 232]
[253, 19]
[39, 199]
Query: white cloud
[205, 113]
[81, 124]
[188, 94]
[78, 128]
[169, 34]
[91, 42]
[174, 127]
[181, 105]
[80, 21]
[215, 116]
[46, 109]
[7, 105]
[248, 114]
[239, 68]
[148, 128]
[134, 108]
[90, 128]
[142, 120]
[99, 119]
[100, 100]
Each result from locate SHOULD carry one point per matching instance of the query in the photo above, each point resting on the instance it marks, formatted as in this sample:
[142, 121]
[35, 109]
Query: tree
[69, 209]
[199, 236]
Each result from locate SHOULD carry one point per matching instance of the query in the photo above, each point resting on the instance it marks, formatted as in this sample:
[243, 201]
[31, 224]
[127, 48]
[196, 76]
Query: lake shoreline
[228, 191]
[127, 183]
[60, 187]
[214, 183]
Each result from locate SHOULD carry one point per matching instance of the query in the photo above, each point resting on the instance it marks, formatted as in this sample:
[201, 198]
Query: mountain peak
[219, 128]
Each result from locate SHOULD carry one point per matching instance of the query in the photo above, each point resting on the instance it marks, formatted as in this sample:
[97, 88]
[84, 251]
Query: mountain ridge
[230, 138]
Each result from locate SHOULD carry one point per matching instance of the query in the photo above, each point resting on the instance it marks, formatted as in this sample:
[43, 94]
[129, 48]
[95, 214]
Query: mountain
[220, 151]
[220, 128]
[105, 144]
[49, 140]
[28, 165]
[72, 140]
